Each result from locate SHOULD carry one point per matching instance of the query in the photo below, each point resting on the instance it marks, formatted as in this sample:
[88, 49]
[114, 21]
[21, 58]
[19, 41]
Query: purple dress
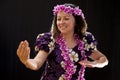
[54, 67]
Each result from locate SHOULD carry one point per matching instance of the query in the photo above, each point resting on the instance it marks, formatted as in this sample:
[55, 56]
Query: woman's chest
[57, 55]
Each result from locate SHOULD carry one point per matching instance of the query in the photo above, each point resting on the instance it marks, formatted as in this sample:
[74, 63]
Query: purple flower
[68, 9]
[69, 66]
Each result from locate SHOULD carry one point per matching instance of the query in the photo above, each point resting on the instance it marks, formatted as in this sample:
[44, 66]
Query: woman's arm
[23, 52]
[38, 61]
[99, 60]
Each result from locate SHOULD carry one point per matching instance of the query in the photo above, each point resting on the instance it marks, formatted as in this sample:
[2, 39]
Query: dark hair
[80, 26]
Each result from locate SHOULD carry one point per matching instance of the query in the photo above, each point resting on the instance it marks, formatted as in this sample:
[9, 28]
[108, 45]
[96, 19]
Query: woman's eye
[66, 18]
[58, 19]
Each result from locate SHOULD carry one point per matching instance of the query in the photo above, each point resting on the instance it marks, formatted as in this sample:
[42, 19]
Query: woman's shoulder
[90, 43]
[89, 38]
[44, 42]
[45, 35]
[88, 34]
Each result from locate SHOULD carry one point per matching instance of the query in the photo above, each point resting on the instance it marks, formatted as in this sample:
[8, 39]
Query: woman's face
[65, 22]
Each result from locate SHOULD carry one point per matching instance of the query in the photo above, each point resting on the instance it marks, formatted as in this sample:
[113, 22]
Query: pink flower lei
[68, 9]
[69, 65]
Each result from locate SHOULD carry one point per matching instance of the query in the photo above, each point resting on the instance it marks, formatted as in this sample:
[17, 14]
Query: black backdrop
[25, 19]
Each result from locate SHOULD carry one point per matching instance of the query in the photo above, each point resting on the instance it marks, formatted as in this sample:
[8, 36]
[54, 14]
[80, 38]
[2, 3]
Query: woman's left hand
[86, 63]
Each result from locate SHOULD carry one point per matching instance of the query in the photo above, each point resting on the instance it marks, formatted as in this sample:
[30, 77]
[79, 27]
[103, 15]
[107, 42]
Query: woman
[65, 49]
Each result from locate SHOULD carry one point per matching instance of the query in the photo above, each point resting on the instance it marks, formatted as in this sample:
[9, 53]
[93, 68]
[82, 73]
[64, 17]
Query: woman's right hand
[23, 51]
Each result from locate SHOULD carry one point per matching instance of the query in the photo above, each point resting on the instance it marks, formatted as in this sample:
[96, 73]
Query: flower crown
[68, 9]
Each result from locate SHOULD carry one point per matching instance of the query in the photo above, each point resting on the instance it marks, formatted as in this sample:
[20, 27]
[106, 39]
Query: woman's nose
[62, 21]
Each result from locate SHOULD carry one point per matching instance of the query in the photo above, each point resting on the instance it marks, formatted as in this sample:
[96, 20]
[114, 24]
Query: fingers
[23, 50]
[26, 53]
[86, 63]
[22, 46]
[82, 63]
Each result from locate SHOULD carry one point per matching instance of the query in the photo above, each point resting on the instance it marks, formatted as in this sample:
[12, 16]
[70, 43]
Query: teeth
[63, 27]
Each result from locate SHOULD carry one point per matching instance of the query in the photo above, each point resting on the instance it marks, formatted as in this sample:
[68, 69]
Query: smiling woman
[65, 49]
[65, 23]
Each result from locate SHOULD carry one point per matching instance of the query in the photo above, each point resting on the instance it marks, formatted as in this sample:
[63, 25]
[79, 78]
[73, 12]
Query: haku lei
[68, 9]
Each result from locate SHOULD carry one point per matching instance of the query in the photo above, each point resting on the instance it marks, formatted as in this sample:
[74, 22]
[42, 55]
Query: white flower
[40, 35]
[84, 40]
[51, 46]
[93, 46]
[93, 37]
[73, 56]
[70, 50]
[36, 48]
[62, 64]
[62, 77]
[87, 46]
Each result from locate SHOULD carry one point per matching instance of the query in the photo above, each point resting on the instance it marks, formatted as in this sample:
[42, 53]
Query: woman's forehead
[63, 14]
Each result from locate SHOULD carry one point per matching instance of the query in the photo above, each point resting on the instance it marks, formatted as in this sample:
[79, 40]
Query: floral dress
[54, 63]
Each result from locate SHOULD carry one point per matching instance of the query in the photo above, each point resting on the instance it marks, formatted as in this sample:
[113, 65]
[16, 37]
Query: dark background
[25, 19]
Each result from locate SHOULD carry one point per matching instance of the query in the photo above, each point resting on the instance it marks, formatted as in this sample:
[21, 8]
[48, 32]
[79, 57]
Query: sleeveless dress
[54, 66]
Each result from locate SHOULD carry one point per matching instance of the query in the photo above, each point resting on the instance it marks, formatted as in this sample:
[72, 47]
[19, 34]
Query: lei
[69, 65]
[68, 9]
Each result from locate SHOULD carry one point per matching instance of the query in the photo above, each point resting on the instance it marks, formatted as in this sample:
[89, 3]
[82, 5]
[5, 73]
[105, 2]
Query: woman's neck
[69, 39]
